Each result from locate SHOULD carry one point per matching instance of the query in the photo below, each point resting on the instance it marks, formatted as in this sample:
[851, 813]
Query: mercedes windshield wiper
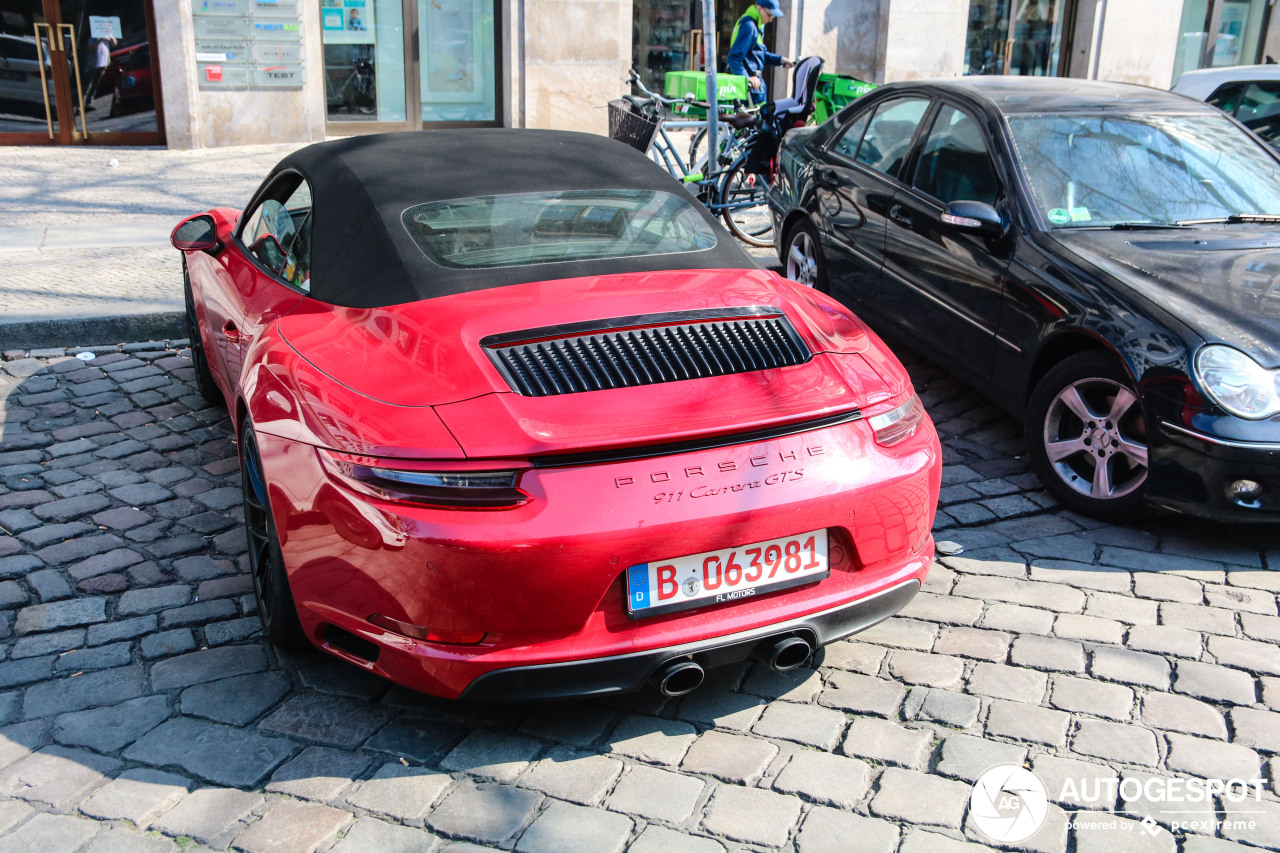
[1141, 226]
[1235, 217]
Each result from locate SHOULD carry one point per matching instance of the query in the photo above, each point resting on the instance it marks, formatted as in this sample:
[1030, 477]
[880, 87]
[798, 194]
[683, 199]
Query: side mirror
[196, 234]
[268, 250]
[975, 216]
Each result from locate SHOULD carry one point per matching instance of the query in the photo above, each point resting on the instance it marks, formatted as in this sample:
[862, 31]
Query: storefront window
[667, 35]
[458, 72]
[1014, 37]
[363, 59]
[1217, 33]
[661, 39]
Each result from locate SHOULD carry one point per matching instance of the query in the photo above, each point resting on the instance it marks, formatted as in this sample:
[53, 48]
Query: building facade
[212, 73]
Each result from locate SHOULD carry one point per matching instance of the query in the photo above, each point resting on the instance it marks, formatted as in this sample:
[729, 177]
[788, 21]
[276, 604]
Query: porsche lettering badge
[728, 466]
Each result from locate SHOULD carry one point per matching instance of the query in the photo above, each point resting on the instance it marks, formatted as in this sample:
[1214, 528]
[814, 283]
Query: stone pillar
[925, 39]
[849, 34]
[1139, 42]
[1271, 38]
[575, 55]
[195, 118]
[880, 40]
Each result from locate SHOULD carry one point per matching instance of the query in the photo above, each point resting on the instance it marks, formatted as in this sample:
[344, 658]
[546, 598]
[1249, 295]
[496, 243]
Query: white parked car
[1251, 93]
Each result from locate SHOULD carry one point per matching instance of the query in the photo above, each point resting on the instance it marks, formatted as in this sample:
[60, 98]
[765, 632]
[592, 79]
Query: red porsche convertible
[518, 420]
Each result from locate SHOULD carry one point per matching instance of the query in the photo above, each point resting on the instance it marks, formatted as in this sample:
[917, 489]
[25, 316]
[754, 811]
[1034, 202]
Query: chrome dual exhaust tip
[679, 677]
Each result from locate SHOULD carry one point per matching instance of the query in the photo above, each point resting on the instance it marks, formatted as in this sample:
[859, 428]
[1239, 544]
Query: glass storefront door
[30, 79]
[458, 81]
[1217, 33]
[78, 71]
[1021, 37]
[667, 35]
[364, 60]
[661, 39]
[403, 64]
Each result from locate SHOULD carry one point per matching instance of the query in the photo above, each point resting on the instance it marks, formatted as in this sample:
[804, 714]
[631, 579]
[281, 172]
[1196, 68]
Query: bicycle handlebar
[738, 105]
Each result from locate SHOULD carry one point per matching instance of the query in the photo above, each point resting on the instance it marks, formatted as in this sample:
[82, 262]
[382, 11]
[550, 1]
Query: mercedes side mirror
[976, 216]
[196, 234]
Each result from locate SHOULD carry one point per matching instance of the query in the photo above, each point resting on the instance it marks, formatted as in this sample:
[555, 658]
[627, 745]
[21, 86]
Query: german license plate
[726, 575]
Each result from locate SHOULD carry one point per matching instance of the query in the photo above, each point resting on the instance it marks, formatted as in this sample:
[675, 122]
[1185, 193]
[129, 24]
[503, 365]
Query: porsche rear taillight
[452, 488]
[899, 424]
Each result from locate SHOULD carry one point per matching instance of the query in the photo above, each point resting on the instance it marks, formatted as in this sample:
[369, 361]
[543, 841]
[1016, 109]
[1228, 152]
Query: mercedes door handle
[232, 333]
[899, 215]
[825, 177]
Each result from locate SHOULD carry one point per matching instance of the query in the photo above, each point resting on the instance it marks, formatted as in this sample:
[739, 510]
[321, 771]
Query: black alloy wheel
[1087, 437]
[276, 607]
[204, 377]
[802, 260]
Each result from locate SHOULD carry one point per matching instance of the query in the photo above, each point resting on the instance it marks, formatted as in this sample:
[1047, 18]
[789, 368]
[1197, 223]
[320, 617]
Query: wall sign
[248, 44]
[105, 27]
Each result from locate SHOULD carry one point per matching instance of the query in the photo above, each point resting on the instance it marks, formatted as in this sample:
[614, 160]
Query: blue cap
[770, 6]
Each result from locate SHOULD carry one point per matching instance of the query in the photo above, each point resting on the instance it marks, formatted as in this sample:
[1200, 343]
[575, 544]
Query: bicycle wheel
[730, 143]
[363, 96]
[744, 206]
[695, 147]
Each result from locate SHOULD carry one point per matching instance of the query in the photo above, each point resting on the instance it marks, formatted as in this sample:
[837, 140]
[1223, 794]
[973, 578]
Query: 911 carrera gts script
[711, 491]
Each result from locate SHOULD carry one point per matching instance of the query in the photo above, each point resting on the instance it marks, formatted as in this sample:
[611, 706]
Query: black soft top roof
[363, 257]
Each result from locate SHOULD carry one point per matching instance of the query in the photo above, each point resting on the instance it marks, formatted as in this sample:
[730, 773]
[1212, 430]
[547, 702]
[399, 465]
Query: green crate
[836, 91]
[680, 83]
[841, 86]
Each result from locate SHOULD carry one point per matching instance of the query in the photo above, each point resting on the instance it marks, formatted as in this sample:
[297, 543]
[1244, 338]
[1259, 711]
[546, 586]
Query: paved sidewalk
[84, 244]
[140, 710]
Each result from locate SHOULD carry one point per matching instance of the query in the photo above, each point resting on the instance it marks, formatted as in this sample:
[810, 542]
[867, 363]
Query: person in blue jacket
[747, 53]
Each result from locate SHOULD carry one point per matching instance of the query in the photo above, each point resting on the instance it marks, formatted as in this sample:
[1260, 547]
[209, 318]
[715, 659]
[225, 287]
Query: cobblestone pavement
[140, 710]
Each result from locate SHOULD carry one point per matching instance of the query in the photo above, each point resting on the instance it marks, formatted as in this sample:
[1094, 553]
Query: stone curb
[91, 331]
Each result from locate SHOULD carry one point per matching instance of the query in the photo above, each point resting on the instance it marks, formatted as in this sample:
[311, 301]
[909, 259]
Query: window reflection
[458, 72]
[1089, 171]
[1014, 37]
[363, 59]
[1218, 33]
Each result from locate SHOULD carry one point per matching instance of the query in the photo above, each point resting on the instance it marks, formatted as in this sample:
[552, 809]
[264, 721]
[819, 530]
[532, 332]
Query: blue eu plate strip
[638, 586]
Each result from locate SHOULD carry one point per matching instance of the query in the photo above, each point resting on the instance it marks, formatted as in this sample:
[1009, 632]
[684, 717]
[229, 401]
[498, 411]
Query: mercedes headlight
[1237, 383]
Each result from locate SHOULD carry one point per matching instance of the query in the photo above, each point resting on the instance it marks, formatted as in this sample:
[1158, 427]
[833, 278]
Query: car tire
[802, 259]
[1087, 437]
[204, 377]
[276, 607]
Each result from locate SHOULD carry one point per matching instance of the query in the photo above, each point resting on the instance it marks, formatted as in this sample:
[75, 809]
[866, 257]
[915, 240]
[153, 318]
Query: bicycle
[736, 194]
[356, 93]
[813, 93]
[731, 137]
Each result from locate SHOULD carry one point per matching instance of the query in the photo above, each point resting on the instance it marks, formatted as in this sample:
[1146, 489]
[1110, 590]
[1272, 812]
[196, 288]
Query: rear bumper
[545, 582]
[627, 673]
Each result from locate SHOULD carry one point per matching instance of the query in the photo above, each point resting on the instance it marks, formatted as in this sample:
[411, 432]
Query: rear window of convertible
[550, 227]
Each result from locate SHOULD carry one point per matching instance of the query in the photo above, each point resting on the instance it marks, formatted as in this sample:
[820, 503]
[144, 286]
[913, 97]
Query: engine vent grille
[633, 351]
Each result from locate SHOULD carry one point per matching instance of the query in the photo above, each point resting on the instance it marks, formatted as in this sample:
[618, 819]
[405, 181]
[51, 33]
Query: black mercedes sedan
[1102, 260]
